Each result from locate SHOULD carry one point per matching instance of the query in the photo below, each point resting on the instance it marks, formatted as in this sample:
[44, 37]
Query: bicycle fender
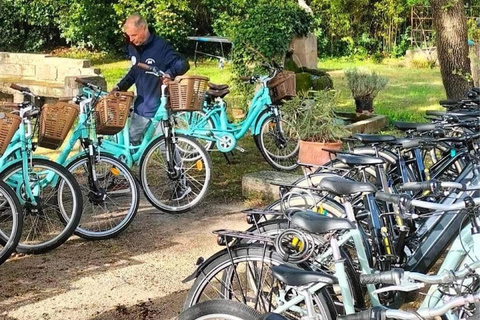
[203, 264]
[258, 124]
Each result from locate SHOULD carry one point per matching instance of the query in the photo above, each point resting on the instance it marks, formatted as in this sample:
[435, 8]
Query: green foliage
[28, 25]
[364, 84]
[473, 29]
[315, 119]
[172, 19]
[378, 57]
[266, 32]
[90, 24]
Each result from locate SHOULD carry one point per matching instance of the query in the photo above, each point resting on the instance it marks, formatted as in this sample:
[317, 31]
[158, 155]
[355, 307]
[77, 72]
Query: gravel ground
[135, 276]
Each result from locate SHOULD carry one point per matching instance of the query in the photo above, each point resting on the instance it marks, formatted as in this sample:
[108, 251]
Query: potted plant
[317, 126]
[365, 86]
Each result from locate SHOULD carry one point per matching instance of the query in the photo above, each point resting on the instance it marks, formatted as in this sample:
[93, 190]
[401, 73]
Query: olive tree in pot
[365, 86]
[317, 126]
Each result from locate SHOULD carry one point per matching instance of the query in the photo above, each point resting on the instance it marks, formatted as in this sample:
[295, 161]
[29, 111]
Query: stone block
[305, 52]
[29, 71]
[259, 183]
[10, 69]
[47, 72]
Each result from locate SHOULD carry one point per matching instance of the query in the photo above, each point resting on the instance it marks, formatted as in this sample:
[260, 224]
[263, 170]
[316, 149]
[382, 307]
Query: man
[150, 49]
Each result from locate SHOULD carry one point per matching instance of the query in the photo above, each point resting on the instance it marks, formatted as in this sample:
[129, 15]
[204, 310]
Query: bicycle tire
[205, 164]
[276, 161]
[88, 228]
[10, 241]
[68, 223]
[220, 309]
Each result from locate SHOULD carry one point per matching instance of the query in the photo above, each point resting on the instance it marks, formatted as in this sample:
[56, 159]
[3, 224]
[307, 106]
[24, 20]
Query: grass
[409, 93]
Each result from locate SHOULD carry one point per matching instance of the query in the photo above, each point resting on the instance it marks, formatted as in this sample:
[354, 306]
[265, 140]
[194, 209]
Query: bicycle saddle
[298, 277]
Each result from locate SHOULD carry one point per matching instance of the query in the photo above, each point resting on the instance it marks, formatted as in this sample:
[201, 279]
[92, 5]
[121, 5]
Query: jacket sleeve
[176, 65]
[127, 81]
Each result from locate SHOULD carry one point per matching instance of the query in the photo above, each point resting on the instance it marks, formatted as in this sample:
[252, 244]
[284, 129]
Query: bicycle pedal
[240, 149]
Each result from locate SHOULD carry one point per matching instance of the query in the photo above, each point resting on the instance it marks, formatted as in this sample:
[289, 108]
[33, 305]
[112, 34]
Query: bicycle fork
[97, 194]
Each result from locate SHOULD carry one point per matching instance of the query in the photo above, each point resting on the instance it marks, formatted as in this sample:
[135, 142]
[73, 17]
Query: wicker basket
[8, 126]
[282, 86]
[187, 93]
[56, 121]
[112, 112]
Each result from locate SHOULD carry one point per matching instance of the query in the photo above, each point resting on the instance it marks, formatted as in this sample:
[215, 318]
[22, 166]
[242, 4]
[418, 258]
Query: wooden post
[475, 63]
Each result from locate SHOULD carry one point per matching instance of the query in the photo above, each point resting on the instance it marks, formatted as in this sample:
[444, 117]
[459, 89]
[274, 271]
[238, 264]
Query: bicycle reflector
[115, 171]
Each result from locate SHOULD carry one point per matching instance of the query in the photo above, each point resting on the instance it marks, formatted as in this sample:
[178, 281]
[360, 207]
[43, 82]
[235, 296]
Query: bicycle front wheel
[181, 190]
[51, 217]
[11, 221]
[279, 142]
[109, 207]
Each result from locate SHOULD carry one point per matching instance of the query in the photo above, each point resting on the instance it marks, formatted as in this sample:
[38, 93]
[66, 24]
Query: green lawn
[409, 93]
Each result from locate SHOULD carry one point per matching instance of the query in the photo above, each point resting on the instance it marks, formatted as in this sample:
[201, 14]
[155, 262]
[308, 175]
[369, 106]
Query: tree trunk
[452, 48]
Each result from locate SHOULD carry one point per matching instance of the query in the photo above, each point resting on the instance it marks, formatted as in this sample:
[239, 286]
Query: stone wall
[45, 75]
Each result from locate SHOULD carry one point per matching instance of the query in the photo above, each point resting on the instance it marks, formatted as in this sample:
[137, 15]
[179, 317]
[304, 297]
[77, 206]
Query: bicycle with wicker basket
[110, 193]
[50, 195]
[174, 169]
[275, 137]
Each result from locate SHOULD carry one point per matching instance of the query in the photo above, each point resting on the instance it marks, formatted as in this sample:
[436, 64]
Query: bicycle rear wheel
[11, 221]
[53, 218]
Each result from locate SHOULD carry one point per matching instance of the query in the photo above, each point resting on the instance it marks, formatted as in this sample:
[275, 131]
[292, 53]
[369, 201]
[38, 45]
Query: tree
[451, 26]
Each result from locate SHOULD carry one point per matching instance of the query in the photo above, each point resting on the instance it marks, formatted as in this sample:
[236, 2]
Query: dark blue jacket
[161, 54]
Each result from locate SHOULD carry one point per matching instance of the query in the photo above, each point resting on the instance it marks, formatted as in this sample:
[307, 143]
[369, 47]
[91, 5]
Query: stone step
[258, 184]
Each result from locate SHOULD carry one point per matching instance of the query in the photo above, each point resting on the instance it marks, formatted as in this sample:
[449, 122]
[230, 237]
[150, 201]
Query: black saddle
[298, 277]
[356, 160]
[317, 223]
[342, 187]
[218, 93]
[372, 138]
[217, 87]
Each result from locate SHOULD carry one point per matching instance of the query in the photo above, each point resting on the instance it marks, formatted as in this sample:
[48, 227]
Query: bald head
[137, 29]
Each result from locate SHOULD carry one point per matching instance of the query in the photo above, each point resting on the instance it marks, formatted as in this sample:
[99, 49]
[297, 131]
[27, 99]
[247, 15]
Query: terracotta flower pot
[312, 153]
[238, 113]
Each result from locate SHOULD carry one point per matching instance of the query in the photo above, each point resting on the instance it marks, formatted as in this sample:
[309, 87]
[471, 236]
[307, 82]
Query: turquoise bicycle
[275, 137]
[110, 192]
[48, 192]
[174, 170]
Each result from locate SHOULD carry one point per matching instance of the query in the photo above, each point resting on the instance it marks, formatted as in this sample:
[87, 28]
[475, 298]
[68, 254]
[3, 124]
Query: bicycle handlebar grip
[419, 186]
[393, 276]
[144, 66]
[245, 78]
[18, 88]
[65, 99]
[84, 82]
[387, 197]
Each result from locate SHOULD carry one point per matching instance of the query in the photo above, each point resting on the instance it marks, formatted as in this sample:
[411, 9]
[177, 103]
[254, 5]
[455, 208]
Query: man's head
[136, 29]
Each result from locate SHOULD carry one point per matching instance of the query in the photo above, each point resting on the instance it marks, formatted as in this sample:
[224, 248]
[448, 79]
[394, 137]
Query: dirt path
[136, 276]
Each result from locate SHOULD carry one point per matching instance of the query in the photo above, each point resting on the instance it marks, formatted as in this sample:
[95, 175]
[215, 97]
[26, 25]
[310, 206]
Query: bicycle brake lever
[404, 288]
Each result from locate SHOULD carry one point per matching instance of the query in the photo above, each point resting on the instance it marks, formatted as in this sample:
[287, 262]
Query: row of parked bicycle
[359, 237]
[89, 189]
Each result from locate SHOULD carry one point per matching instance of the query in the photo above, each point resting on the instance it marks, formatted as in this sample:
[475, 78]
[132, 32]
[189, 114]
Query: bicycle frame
[218, 114]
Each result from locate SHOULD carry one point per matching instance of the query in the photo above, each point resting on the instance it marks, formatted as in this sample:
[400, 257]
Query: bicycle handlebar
[19, 88]
[88, 84]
